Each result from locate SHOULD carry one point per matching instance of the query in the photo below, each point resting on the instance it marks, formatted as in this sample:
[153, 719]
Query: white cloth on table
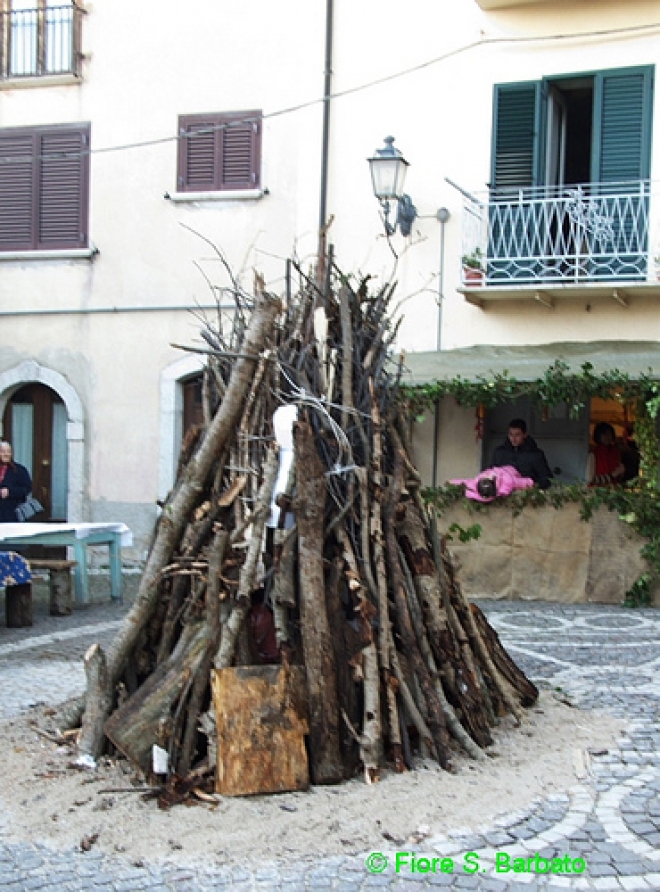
[80, 530]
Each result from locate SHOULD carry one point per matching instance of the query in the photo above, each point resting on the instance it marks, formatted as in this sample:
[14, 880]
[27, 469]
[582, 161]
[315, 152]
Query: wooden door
[35, 424]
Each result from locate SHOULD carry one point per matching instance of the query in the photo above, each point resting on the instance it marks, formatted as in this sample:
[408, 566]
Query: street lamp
[388, 174]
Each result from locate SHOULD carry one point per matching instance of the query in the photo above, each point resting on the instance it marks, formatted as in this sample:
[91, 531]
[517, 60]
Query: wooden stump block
[61, 596]
[261, 719]
[18, 605]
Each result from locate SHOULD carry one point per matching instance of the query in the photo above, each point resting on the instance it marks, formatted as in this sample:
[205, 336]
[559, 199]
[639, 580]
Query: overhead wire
[349, 91]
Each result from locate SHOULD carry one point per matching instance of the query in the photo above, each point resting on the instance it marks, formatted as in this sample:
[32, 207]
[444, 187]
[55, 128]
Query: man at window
[523, 453]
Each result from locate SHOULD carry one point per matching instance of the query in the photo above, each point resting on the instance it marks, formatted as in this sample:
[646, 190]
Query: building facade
[139, 152]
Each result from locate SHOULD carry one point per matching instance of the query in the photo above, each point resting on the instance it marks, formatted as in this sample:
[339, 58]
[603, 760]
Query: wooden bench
[60, 582]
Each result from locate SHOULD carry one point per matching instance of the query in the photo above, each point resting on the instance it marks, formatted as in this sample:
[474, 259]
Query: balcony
[555, 242]
[41, 41]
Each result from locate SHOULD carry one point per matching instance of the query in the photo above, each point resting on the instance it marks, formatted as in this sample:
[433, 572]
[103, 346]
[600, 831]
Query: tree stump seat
[60, 582]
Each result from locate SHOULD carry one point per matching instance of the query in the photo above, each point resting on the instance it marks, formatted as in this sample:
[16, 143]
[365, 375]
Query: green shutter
[516, 163]
[621, 156]
[622, 125]
[516, 131]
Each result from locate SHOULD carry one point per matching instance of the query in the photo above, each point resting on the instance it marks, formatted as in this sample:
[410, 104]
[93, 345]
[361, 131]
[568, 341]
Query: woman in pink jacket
[493, 483]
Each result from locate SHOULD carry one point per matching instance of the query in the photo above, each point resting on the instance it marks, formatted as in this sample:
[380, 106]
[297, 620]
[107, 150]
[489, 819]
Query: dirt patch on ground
[45, 799]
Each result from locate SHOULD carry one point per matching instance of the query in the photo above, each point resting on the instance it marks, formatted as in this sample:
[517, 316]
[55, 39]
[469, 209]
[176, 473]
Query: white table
[77, 536]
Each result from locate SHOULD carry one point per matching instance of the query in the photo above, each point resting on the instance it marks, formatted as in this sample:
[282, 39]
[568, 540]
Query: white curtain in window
[23, 37]
[59, 36]
[59, 464]
[22, 427]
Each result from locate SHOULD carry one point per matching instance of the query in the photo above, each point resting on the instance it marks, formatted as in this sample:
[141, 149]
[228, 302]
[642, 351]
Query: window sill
[237, 195]
[62, 254]
[31, 81]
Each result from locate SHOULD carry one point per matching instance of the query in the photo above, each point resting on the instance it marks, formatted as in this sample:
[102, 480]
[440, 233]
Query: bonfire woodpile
[295, 557]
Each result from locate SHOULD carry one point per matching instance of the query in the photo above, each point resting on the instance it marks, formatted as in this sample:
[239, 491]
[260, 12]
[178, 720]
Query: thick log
[91, 740]
[18, 605]
[201, 681]
[375, 529]
[309, 507]
[261, 720]
[137, 724]
[366, 667]
[347, 645]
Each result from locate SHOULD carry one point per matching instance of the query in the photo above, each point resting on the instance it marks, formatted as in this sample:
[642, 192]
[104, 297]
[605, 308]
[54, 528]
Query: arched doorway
[35, 422]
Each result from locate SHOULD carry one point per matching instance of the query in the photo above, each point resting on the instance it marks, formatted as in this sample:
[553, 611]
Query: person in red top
[605, 464]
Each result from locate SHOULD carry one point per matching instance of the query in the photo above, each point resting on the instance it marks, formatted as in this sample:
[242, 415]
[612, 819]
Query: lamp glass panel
[388, 176]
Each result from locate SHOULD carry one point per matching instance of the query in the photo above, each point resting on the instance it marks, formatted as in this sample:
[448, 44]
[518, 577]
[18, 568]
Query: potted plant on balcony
[473, 266]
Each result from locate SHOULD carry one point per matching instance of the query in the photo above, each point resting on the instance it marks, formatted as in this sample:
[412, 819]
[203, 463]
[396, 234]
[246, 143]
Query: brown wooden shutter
[44, 188]
[17, 152]
[198, 155]
[219, 152]
[240, 154]
[63, 189]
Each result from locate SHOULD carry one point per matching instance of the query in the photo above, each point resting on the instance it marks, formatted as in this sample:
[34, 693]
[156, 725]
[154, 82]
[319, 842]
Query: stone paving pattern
[601, 657]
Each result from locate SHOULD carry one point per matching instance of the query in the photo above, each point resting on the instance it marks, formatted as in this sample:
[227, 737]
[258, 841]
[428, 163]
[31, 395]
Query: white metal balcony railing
[593, 232]
[38, 41]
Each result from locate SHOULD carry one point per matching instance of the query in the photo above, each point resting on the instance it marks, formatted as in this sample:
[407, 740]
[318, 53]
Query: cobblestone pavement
[601, 657]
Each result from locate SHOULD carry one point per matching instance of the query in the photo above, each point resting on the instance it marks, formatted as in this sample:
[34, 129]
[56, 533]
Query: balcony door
[570, 170]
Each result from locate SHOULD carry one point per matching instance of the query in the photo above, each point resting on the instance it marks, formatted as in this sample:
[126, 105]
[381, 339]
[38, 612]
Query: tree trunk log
[309, 507]
[91, 740]
[201, 681]
[145, 718]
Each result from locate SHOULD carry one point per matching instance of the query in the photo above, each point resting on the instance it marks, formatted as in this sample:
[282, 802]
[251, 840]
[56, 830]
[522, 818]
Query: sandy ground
[46, 799]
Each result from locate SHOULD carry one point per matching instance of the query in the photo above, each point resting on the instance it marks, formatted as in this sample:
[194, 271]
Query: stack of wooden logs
[303, 552]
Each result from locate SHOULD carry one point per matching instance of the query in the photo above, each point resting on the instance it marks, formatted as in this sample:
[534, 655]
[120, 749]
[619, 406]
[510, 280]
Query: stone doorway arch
[30, 372]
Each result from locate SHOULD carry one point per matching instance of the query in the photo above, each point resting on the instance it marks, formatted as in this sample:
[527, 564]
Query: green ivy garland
[557, 385]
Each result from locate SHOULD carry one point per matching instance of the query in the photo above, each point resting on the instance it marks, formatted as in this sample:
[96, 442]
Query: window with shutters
[44, 188]
[39, 38]
[569, 192]
[219, 152]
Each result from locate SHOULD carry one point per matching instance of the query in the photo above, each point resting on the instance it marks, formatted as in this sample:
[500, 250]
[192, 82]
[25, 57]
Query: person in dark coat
[15, 484]
[522, 452]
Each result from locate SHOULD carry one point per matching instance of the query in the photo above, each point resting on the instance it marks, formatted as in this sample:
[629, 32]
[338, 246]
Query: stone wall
[546, 554]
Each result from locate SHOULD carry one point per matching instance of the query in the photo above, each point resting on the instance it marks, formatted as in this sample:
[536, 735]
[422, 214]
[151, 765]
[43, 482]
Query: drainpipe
[327, 88]
[442, 217]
